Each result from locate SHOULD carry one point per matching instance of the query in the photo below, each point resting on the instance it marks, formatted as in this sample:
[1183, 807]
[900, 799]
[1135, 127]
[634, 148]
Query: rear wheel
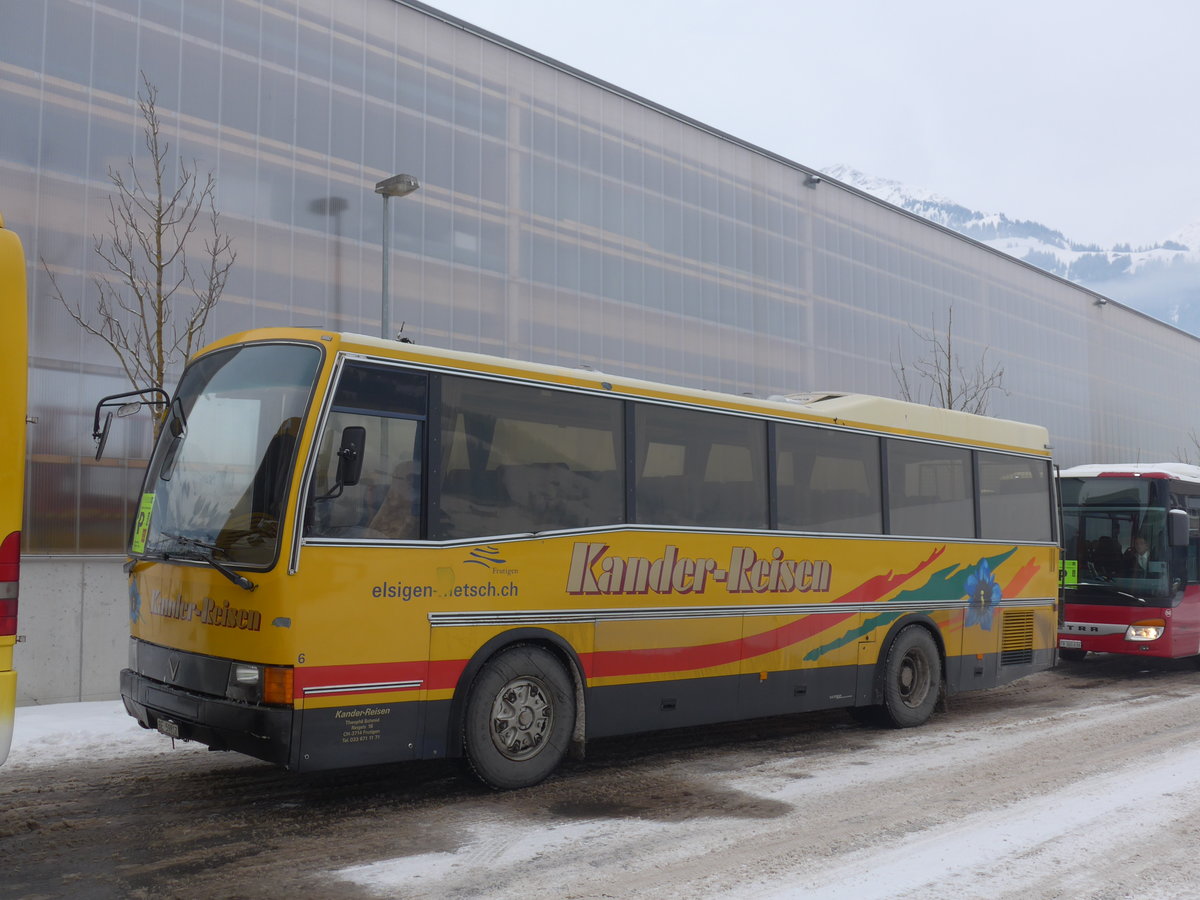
[519, 718]
[912, 678]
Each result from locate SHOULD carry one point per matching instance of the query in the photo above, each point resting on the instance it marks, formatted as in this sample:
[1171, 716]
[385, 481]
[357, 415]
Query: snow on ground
[60, 732]
[970, 828]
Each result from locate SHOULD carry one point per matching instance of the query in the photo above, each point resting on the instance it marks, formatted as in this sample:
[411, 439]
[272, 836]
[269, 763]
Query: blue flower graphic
[983, 594]
[135, 600]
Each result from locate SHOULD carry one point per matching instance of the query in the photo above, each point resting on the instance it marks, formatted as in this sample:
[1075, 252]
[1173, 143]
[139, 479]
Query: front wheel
[519, 718]
[912, 678]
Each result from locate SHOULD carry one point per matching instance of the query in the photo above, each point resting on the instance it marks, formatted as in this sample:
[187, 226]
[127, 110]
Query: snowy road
[1083, 782]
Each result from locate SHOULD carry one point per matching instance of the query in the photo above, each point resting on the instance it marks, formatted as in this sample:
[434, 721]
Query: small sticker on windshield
[142, 527]
[1069, 571]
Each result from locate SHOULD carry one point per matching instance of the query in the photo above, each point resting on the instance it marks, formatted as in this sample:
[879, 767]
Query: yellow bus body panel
[427, 610]
[14, 373]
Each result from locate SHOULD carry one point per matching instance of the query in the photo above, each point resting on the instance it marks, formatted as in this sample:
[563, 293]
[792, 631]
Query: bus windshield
[1115, 530]
[219, 476]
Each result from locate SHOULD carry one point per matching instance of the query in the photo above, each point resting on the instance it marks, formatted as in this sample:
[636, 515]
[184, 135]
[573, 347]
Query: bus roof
[830, 407]
[1174, 470]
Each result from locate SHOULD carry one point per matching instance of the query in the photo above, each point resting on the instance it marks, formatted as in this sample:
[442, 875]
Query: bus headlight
[245, 683]
[245, 674]
[1149, 630]
[249, 683]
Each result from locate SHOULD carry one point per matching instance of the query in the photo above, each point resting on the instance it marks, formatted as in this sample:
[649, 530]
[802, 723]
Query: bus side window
[517, 459]
[385, 503]
[1014, 498]
[931, 490]
[699, 468]
[827, 480]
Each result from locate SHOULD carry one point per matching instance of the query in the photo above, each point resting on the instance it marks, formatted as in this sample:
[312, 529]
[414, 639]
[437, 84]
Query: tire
[520, 715]
[1072, 654]
[912, 678]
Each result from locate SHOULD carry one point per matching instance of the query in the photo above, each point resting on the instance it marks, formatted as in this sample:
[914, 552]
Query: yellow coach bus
[354, 551]
[14, 367]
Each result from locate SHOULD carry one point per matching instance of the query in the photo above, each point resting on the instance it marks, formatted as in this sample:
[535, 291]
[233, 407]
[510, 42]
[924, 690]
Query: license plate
[167, 727]
[1068, 644]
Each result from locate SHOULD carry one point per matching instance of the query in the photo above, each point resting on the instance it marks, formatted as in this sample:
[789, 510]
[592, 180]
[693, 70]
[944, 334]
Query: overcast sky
[1083, 115]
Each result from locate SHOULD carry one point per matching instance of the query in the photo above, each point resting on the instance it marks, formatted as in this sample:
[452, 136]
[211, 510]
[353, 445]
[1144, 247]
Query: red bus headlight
[1147, 630]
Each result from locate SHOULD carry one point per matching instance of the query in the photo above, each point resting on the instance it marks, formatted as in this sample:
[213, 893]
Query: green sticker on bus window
[1068, 570]
[142, 527]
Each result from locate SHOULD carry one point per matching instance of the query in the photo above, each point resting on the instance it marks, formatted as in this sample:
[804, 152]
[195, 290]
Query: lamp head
[397, 186]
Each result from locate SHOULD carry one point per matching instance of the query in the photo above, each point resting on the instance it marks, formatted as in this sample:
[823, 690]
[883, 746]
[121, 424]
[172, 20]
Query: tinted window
[518, 459]
[827, 480]
[700, 469]
[1014, 498]
[383, 390]
[385, 503]
[930, 490]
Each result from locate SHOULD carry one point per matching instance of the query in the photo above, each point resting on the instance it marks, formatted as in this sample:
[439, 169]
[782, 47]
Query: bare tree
[939, 379]
[1185, 455]
[151, 304]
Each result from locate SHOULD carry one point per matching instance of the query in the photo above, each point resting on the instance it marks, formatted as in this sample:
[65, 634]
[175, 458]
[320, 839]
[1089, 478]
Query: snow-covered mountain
[1162, 281]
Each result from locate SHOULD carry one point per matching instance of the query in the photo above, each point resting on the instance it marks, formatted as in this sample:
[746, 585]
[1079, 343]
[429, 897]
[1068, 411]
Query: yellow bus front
[212, 650]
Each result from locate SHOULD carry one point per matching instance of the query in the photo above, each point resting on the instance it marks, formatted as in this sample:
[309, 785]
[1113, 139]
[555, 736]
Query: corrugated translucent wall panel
[558, 220]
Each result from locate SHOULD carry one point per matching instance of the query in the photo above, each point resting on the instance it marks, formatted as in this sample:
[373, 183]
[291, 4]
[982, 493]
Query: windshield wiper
[240, 580]
[1110, 589]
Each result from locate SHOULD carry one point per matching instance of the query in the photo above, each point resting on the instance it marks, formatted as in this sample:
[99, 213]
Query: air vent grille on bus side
[1016, 637]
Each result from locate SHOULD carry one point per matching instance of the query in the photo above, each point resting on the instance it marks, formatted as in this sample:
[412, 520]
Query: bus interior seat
[398, 516]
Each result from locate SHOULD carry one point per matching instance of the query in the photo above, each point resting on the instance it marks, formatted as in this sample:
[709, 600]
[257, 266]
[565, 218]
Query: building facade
[559, 219]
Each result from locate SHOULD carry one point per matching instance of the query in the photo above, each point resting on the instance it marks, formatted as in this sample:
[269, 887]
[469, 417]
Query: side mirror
[1177, 527]
[350, 455]
[100, 432]
[101, 436]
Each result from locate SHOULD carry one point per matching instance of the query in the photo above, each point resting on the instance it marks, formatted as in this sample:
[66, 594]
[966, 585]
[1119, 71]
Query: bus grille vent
[1016, 637]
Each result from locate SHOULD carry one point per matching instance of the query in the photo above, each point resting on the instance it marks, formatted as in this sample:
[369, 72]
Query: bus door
[367, 629]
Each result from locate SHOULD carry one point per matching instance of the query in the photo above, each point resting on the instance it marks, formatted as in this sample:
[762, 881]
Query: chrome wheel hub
[522, 716]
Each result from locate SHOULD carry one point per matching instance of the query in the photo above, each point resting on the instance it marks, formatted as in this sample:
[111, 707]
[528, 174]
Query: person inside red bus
[1137, 558]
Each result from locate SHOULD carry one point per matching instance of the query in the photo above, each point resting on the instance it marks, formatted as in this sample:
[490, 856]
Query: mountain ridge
[1162, 280]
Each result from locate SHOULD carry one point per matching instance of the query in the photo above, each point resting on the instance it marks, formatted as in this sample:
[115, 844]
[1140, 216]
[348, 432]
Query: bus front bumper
[259, 731]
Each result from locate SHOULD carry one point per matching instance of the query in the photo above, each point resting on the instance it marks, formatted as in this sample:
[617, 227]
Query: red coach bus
[1131, 539]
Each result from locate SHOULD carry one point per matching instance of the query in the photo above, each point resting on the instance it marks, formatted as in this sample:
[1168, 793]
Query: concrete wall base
[73, 613]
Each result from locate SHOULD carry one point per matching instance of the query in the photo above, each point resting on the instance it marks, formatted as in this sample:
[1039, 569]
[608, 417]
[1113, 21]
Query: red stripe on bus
[363, 673]
[659, 660]
[436, 675]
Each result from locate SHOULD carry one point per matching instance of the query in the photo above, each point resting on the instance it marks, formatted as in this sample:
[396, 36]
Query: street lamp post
[396, 186]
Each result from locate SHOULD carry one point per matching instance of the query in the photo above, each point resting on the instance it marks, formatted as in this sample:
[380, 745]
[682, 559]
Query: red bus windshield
[1115, 531]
